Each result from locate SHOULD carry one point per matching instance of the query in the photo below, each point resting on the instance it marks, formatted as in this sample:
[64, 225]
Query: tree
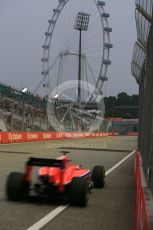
[123, 105]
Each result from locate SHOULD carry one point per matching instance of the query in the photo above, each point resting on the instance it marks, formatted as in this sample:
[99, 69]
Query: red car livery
[55, 177]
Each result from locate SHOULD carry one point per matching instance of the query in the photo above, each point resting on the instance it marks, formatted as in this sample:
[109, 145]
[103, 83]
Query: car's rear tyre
[79, 192]
[16, 187]
[98, 176]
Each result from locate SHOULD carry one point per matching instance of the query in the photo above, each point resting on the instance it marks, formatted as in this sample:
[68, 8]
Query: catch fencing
[142, 70]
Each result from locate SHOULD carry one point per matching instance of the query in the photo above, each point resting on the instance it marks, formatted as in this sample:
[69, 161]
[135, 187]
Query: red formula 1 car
[55, 176]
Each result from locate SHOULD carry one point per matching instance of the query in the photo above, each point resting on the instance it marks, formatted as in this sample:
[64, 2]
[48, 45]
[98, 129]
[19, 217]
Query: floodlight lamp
[24, 90]
[56, 96]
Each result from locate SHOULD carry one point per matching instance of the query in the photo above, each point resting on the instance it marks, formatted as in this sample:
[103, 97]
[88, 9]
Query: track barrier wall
[132, 134]
[144, 198]
[17, 137]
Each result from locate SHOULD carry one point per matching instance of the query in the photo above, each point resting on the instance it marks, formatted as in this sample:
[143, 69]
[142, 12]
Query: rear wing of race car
[60, 163]
[45, 162]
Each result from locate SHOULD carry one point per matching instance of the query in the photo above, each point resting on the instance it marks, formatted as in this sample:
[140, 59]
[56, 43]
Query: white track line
[45, 141]
[33, 142]
[45, 220]
[119, 163]
[41, 223]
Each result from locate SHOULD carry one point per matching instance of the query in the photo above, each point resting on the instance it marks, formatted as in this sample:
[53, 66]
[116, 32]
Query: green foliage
[123, 105]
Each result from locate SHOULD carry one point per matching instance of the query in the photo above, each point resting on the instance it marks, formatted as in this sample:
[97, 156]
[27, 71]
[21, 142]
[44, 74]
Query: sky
[122, 21]
[22, 27]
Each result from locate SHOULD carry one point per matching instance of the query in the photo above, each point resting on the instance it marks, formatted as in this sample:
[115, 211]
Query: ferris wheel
[61, 55]
[75, 61]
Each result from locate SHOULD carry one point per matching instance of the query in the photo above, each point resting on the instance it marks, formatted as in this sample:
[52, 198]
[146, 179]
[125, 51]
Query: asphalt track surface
[108, 209]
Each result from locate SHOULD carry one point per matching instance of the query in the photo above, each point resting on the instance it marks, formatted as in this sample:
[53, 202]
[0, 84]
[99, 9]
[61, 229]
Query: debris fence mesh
[142, 70]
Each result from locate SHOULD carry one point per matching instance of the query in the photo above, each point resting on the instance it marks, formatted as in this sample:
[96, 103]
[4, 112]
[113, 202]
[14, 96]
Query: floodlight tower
[81, 23]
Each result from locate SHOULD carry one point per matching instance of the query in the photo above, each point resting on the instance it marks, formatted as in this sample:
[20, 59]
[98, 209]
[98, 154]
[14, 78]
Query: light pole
[23, 91]
[81, 23]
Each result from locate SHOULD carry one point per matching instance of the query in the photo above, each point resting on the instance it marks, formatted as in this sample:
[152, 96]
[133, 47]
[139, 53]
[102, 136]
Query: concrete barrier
[16, 137]
[132, 133]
